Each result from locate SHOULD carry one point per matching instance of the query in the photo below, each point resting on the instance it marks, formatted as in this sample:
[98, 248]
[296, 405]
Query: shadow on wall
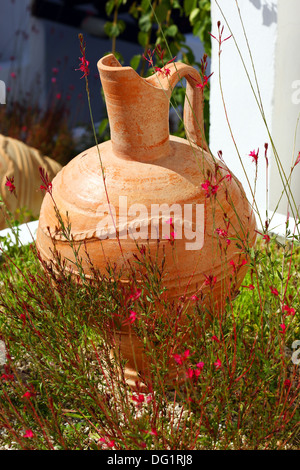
[269, 10]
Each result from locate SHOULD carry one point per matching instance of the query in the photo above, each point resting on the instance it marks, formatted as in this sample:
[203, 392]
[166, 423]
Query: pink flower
[189, 373]
[250, 287]
[215, 338]
[274, 291]
[228, 177]
[218, 364]
[28, 394]
[210, 280]
[53, 79]
[58, 96]
[194, 297]
[283, 328]
[265, 236]
[45, 179]
[287, 383]
[209, 188]
[220, 40]
[254, 156]
[131, 319]
[7, 377]
[10, 184]
[181, 358]
[107, 442]
[204, 82]
[13, 75]
[28, 434]
[135, 295]
[289, 310]
[200, 365]
[153, 432]
[55, 70]
[140, 398]
[149, 59]
[84, 64]
[298, 160]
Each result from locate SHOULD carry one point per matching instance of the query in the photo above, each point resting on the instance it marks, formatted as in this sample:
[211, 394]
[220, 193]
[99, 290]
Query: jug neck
[138, 112]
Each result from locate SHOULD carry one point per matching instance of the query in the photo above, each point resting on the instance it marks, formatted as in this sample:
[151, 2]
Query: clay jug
[22, 162]
[143, 168]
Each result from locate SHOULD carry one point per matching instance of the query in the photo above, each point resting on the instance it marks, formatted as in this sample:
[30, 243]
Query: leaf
[171, 30]
[194, 15]
[188, 6]
[135, 61]
[109, 6]
[145, 23]
[143, 38]
[161, 12]
[102, 126]
[114, 29]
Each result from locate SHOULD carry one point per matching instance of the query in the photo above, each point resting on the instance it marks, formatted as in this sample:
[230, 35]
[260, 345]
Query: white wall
[286, 105]
[273, 36]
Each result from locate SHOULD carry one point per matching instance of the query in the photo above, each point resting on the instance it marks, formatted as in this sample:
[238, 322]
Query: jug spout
[138, 112]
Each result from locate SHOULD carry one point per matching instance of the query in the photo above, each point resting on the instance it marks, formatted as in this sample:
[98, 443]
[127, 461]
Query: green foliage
[61, 383]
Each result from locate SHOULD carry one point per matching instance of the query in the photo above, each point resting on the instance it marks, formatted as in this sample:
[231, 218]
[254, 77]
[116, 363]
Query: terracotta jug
[145, 167]
[22, 162]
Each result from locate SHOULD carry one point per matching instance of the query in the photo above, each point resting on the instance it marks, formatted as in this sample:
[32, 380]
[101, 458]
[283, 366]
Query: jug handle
[193, 106]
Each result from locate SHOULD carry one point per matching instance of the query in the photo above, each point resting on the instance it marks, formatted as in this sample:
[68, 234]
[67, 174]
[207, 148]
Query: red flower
[107, 442]
[10, 184]
[283, 328]
[210, 280]
[228, 177]
[45, 179]
[29, 434]
[149, 59]
[131, 318]
[84, 64]
[287, 383]
[135, 295]
[153, 432]
[28, 394]
[215, 338]
[181, 358]
[220, 40]
[254, 156]
[289, 310]
[140, 398]
[204, 82]
[250, 287]
[274, 291]
[218, 364]
[7, 377]
[265, 236]
[194, 297]
[209, 188]
[189, 373]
